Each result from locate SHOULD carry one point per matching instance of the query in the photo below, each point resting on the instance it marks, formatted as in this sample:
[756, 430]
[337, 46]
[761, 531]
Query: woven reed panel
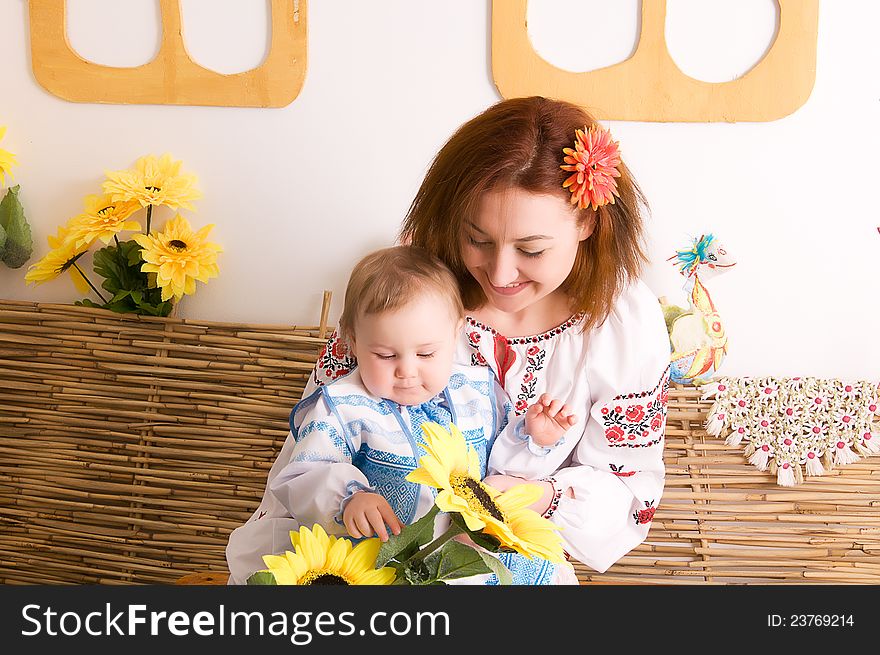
[722, 521]
[131, 447]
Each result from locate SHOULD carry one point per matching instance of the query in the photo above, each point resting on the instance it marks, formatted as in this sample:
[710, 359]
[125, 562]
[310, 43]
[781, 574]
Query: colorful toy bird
[696, 335]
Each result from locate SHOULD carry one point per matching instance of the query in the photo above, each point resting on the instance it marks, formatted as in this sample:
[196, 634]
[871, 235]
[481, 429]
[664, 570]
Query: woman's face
[521, 246]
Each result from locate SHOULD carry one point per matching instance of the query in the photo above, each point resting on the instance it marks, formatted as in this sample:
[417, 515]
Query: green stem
[149, 216]
[451, 532]
[89, 282]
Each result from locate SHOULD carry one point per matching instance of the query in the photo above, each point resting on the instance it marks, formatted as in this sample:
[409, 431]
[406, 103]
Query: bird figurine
[697, 338]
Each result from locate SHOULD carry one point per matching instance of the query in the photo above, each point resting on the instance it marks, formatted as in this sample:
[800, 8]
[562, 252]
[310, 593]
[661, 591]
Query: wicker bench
[132, 446]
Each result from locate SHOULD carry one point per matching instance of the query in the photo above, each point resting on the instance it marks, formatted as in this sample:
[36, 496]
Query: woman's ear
[585, 229]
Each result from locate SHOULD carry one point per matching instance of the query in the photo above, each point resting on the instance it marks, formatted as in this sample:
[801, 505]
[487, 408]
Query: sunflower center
[476, 495]
[106, 210]
[153, 189]
[322, 578]
[177, 244]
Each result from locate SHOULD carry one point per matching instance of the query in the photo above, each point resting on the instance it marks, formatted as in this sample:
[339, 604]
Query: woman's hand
[367, 514]
[548, 419]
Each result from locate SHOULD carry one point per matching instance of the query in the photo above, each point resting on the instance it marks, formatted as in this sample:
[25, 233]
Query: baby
[353, 441]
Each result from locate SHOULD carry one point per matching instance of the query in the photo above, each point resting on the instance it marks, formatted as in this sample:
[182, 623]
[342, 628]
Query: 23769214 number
[810, 620]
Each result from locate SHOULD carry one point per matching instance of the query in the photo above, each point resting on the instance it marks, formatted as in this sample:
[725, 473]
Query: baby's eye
[383, 356]
[426, 355]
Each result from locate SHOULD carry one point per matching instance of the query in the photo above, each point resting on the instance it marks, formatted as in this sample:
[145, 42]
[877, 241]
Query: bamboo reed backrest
[131, 447]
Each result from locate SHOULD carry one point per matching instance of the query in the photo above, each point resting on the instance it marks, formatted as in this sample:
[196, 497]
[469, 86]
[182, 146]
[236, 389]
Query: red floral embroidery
[334, 361]
[645, 515]
[641, 424]
[635, 413]
[615, 433]
[534, 362]
[619, 472]
[521, 406]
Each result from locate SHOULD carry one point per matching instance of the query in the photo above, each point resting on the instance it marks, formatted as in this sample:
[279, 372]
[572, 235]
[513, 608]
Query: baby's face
[406, 355]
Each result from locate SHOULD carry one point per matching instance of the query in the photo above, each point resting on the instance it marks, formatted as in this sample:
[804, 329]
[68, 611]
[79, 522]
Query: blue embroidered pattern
[525, 571]
[322, 426]
[386, 473]
[357, 426]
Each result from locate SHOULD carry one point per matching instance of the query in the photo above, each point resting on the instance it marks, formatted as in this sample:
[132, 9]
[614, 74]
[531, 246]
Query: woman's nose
[502, 269]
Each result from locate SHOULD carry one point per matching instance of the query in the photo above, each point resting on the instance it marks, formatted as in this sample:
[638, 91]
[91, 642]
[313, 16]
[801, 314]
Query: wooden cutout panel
[172, 78]
[649, 86]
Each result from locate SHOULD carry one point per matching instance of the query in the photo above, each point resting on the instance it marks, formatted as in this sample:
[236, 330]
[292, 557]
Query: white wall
[298, 194]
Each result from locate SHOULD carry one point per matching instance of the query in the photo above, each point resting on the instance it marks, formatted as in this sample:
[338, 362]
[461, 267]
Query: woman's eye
[478, 244]
[536, 253]
[426, 355]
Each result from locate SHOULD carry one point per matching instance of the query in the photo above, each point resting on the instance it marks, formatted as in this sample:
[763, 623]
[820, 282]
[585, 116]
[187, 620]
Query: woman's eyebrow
[533, 237]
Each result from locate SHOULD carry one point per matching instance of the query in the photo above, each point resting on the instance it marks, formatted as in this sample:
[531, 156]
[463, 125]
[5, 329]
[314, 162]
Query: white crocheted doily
[796, 426]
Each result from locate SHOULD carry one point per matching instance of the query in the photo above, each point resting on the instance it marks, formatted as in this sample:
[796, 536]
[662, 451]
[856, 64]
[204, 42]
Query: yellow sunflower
[154, 182]
[103, 219]
[179, 257]
[454, 467]
[7, 160]
[62, 257]
[319, 559]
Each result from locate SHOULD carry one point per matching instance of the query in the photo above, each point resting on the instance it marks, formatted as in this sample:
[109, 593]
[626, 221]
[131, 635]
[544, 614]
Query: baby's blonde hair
[388, 279]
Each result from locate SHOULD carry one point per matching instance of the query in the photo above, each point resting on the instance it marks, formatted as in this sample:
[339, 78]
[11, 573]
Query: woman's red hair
[518, 143]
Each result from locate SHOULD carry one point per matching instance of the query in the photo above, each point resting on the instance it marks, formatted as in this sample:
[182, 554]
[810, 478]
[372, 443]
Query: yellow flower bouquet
[493, 522]
[149, 273]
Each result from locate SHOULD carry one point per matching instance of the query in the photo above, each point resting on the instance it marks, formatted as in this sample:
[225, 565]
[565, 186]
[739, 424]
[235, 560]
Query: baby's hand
[367, 514]
[548, 419]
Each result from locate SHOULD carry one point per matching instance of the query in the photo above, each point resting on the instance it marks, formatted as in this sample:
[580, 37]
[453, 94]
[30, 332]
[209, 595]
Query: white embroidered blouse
[608, 469]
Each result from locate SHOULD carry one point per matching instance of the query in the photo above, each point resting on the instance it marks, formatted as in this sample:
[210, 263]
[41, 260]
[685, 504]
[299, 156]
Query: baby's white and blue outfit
[343, 440]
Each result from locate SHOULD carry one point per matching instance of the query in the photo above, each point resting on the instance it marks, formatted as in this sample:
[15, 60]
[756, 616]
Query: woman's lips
[510, 290]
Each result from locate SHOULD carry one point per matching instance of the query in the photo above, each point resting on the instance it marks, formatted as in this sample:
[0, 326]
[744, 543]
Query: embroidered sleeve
[614, 482]
[334, 361]
[319, 472]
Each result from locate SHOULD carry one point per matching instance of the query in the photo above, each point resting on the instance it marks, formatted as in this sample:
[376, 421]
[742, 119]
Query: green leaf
[120, 266]
[503, 573]
[479, 537]
[18, 244]
[457, 560]
[404, 545]
[262, 578]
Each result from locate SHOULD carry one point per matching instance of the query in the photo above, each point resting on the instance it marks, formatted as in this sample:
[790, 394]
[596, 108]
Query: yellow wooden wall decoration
[649, 86]
[172, 78]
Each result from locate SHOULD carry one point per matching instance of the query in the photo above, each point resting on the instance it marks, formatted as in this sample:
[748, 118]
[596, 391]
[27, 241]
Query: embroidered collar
[549, 334]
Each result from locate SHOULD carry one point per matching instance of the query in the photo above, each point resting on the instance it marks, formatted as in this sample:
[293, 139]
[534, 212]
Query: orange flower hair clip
[593, 165]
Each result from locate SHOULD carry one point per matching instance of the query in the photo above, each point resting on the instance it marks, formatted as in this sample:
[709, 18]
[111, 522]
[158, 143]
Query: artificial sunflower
[179, 257]
[454, 467]
[319, 559]
[593, 164]
[7, 159]
[153, 182]
[62, 257]
[103, 219]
